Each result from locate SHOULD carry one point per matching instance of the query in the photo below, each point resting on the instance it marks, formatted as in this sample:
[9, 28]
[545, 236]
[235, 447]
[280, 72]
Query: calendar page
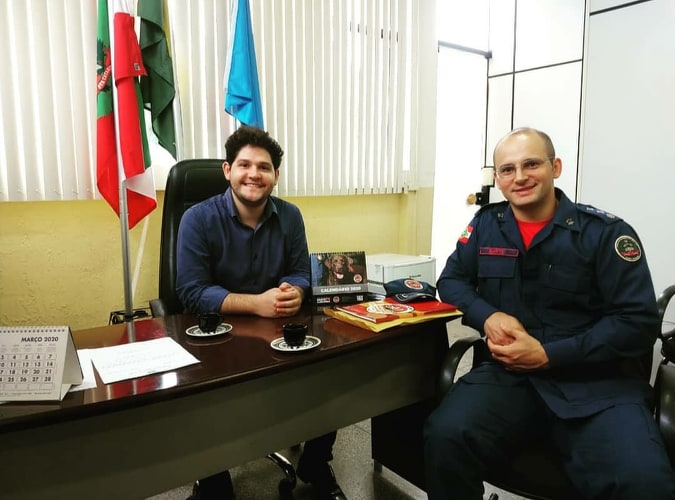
[37, 363]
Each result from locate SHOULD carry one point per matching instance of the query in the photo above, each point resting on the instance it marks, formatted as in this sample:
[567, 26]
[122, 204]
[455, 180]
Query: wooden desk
[133, 439]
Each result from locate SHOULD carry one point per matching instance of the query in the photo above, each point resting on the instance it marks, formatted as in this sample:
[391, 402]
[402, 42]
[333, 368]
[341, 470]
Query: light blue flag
[242, 91]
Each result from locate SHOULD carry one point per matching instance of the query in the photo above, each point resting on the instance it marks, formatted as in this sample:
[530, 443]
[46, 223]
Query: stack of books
[379, 315]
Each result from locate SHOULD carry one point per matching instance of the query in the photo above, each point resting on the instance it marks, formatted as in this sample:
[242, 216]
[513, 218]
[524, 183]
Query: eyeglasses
[530, 165]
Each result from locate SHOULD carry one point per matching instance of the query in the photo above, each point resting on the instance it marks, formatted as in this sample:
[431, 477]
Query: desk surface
[353, 374]
[243, 354]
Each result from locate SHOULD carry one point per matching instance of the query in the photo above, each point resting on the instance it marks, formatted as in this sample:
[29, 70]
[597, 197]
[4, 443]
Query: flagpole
[178, 127]
[126, 259]
[122, 184]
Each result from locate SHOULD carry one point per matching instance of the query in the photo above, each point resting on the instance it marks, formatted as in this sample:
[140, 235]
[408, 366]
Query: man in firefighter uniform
[564, 298]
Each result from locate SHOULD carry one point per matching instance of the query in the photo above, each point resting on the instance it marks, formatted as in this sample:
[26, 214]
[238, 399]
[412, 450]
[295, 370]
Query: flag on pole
[242, 91]
[119, 62]
[157, 87]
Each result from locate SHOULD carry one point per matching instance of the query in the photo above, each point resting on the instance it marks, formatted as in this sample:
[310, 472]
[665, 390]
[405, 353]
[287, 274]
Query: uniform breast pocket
[567, 286]
[492, 271]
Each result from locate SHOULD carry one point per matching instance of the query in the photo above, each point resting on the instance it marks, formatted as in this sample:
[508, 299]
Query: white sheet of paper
[137, 359]
[88, 377]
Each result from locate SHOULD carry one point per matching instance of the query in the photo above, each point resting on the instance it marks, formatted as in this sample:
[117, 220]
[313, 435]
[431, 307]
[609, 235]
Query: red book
[381, 311]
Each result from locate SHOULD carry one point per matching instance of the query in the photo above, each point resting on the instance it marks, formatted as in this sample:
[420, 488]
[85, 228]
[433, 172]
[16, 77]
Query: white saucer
[222, 328]
[309, 343]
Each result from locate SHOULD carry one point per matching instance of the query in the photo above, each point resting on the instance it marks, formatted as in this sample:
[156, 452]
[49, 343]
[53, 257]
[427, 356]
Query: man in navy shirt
[564, 298]
[245, 252]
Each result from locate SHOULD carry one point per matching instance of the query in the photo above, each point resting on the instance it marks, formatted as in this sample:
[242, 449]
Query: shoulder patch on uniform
[600, 214]
[466, 234]
[628, 248]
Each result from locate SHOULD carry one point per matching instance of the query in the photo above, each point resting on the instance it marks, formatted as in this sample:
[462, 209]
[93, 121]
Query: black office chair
[189, 182]
[537, 472]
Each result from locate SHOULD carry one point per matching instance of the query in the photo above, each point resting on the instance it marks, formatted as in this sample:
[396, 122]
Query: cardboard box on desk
[385, 267]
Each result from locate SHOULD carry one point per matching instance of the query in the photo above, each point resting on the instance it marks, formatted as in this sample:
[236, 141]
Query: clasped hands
[511, 345]
[284, 300]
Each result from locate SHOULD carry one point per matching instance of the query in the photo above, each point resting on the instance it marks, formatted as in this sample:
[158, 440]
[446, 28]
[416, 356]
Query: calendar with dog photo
[338, 272]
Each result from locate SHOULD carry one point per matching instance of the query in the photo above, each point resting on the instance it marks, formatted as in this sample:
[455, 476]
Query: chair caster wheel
[286, 488]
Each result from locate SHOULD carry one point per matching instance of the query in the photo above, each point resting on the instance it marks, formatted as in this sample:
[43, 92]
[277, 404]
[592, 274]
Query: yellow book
[380, 315]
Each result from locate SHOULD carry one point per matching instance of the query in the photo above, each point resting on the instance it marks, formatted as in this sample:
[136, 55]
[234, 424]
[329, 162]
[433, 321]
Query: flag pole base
[117, 317]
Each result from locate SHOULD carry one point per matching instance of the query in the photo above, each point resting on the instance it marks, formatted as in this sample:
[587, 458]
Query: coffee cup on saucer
[294, 333]
[209, 321]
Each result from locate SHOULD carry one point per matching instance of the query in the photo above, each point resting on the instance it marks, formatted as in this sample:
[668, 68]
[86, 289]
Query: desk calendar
[37, 363]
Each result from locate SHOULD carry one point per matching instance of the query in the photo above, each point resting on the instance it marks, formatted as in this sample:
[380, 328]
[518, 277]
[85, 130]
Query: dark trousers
[319, 449]
[219, 486]
[617, 453]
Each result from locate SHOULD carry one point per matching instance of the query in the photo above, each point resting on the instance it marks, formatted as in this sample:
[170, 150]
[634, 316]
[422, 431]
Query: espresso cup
[208, 322]
[294, 333]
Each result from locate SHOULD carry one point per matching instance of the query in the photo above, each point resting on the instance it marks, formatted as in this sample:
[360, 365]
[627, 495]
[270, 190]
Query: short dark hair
[252, 136]
[548, 143]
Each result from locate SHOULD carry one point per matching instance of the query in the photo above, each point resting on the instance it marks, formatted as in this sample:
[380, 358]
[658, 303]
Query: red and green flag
[119, 63]
[157, 87]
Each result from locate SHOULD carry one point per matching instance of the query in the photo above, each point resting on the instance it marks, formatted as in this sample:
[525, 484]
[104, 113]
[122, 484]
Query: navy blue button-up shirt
[217, 254]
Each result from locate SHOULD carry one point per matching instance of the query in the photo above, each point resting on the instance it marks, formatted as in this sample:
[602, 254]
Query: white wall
[628, 159]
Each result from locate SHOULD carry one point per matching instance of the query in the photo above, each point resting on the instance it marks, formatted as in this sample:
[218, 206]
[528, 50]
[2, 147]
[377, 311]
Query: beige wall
[61, 262]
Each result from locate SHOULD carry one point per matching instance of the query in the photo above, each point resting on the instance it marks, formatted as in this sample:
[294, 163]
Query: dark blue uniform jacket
[583, 289]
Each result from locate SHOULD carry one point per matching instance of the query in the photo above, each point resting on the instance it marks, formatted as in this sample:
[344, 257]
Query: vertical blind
[334, 91]
[335, 79]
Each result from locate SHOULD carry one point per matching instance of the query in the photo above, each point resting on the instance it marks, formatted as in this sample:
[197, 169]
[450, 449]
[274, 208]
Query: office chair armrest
[665, 406]
[158, 308]
[667, 337]
[450, 363]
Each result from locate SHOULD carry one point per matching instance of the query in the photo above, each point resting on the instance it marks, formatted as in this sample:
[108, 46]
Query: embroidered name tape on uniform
[466, 234]
[627, 248]
[499, 252]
